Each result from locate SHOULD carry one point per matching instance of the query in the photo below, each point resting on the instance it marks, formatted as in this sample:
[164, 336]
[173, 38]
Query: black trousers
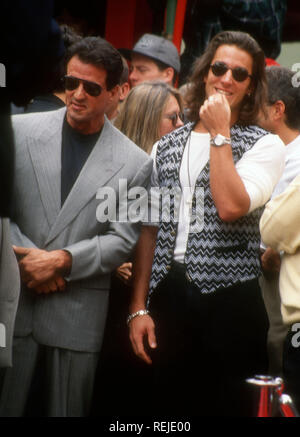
[208, 344]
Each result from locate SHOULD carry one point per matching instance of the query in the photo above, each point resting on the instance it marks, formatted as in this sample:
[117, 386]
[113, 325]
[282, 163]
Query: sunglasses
[174, 118]
[91, 88]
[238, 73]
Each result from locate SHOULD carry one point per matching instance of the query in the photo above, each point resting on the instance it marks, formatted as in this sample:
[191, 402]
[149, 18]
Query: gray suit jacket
[9, 293]
[73, 319]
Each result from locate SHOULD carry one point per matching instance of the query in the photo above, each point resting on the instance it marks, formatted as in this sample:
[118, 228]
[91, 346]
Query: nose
[227, 77]
[79, 92]
[133, 77]
[179, 122]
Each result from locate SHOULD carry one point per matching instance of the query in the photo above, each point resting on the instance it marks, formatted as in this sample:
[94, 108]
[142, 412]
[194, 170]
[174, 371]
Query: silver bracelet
[138, 313]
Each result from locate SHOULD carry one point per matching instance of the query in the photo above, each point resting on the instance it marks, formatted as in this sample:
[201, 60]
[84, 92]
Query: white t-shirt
[291, 169]
[292, 166]
[260, 169]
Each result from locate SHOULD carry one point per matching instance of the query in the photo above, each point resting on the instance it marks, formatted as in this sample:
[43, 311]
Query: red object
[287, 411]
[270, 61]
[179, 23]
[264, 403]
[127, 21]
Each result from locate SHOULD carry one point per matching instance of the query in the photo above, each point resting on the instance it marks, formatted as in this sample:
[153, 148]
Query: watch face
[218, 140]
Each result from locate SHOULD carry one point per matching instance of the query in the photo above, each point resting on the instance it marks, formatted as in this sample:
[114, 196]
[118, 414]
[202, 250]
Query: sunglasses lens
[71, 83]
[219, 68]
[174, 117]
[240, 74]
[93, 89]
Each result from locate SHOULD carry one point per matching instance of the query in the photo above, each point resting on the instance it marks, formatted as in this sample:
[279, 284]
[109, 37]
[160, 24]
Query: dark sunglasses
[238, 73]
[92, 88]
[174, 117]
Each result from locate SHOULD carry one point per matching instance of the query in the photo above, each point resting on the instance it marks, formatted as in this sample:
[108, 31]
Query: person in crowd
[197, 311]
[9, 293]
[57, 98]
[150, 110]
[66, 245]
[31, 49]
[279, 228]
[124, 87]
[281, 116]
[153, 58]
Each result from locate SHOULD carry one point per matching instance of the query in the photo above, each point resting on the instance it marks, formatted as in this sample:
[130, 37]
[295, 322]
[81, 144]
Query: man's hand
[140, 328]
[57, 284]
[40, 267]
[270, 261]
[215, 114]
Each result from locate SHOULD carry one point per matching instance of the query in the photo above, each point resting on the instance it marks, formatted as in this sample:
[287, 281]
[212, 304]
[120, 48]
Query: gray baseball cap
[157, 48]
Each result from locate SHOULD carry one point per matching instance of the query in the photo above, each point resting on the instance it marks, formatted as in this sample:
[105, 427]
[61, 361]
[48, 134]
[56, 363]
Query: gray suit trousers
[277, 330]
[68, 380]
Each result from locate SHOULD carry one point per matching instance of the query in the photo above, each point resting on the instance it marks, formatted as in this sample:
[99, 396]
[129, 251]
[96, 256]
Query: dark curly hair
[251, 104]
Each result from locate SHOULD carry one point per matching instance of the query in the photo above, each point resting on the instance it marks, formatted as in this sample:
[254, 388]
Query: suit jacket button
[168, 268]
[173, 233]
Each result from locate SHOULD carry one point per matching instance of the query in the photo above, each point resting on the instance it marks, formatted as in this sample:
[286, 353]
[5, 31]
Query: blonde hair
[141, 112]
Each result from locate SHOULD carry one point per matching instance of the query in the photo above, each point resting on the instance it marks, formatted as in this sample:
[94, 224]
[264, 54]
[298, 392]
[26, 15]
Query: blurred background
[190, 24]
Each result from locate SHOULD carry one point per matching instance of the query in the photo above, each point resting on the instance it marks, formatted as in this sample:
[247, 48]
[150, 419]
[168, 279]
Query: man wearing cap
[153, 58]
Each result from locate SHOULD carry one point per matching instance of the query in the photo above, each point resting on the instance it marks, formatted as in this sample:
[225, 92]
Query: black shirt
[76, 148]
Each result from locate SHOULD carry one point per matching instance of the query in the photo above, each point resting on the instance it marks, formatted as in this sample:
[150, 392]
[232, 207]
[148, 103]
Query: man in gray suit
[66, 246]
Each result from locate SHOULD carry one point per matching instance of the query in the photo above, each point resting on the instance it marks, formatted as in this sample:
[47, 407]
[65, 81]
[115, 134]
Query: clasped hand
[40, 269]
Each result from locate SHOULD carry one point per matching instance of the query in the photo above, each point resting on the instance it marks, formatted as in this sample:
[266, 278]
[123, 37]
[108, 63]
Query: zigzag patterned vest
[222, 254]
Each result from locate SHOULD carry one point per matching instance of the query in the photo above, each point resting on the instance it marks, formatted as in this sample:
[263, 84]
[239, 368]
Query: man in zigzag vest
[197, 312]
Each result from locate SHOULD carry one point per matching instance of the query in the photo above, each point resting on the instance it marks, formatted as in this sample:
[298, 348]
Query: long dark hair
[251, 104]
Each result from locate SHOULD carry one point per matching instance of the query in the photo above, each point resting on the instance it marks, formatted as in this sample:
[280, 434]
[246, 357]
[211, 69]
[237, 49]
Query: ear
[279, 109]
[124, 90]
[168, 74]
[115, 90]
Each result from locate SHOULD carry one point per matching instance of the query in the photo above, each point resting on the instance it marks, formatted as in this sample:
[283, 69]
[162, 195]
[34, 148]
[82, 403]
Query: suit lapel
[45, 154]
[101, 165]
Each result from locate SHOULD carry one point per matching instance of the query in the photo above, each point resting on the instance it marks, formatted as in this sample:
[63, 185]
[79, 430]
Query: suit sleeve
[9, 293]
[18, 238]
[103, 253]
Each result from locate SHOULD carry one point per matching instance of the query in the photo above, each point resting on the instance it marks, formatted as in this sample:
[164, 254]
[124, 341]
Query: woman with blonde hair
[150, 110]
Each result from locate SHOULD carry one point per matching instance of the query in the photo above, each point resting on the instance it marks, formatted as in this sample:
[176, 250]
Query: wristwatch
[219, 140]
